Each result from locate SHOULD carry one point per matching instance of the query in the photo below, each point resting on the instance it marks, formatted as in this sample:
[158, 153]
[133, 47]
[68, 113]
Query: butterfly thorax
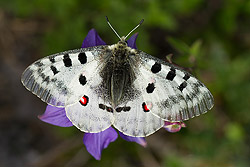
[120, 52]
[118, 72]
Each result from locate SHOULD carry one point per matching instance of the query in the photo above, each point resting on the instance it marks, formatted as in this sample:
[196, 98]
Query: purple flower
[96, 142]
[55, 116]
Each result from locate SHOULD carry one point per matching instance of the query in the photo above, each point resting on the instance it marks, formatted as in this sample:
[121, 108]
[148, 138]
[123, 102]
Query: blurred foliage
[211, 37]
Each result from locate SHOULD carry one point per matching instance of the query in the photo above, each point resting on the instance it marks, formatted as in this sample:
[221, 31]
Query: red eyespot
[145, 107]
[84, 100]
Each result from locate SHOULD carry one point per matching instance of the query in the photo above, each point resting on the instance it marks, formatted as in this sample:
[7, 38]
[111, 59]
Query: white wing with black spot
[87, 108]
[133, 120]
[90, 114]
[172, 94]
[49, 78]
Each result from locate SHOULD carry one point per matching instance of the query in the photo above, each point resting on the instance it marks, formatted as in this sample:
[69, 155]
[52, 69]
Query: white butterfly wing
[88, 114]
[48, 78]
[136, 122]
[88, 78]
[164, 92]
[172, 94]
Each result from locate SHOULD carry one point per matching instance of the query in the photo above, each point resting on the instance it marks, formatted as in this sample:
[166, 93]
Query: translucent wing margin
[49, 77]
[173, 94]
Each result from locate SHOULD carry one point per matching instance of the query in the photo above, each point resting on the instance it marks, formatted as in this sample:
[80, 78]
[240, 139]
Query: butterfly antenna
[112, 28]
[134, 28]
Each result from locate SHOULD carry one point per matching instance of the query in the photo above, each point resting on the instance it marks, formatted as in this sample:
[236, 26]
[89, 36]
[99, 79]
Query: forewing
[173, 94]
[48, 78]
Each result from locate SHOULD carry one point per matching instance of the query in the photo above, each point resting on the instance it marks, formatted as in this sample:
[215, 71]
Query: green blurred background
[211, 38]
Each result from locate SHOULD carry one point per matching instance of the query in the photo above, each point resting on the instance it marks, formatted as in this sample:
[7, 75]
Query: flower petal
[139, 140]
[92, 39]
[55, 116]
[132, 41]
[174, 126]
[96, 142]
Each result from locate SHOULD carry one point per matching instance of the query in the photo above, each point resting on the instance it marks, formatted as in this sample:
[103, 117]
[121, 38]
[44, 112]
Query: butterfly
[117, 85]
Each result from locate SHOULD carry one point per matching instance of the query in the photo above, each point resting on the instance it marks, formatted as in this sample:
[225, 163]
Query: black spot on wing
[82, 57]
[53, 80]
[38, 64]
[45, 78]
[109, 109]
[42, 75]
[171, 74]
[182, 86]
[156, 68]
[102, 106]
[127, 108]
[67, 61]
[150, 88]
[52, 59]
[119, 109]
[54, 70]
[82, 80]
[40, 70]
[186, 77]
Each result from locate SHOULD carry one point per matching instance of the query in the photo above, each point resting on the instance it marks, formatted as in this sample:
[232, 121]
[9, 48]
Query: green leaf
[196, 48]
[179, 45]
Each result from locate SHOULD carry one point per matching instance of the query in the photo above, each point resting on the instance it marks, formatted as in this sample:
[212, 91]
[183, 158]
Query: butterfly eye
[126, 42]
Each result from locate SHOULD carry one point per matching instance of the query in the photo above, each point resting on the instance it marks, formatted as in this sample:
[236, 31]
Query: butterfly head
[122, 43]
